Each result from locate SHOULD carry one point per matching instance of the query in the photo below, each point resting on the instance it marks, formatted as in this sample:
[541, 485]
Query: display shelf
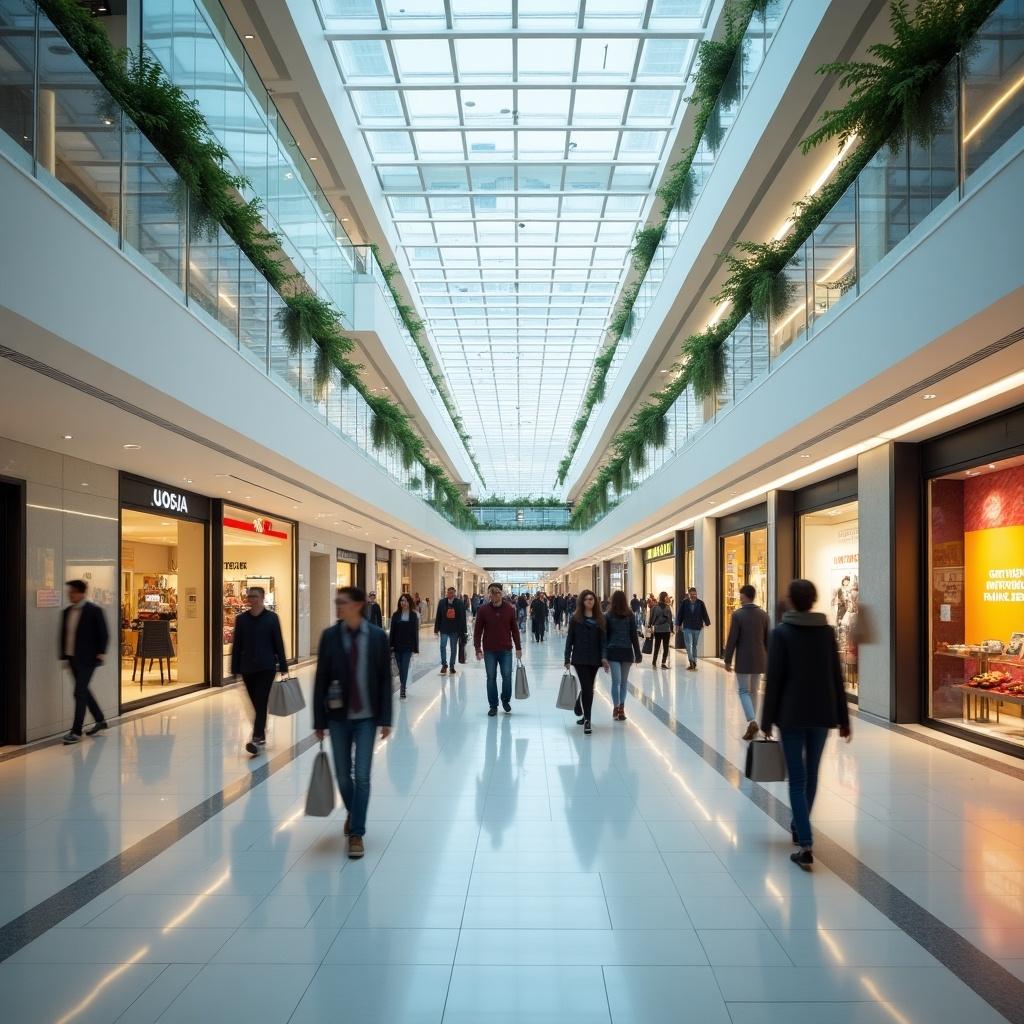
[977, 703]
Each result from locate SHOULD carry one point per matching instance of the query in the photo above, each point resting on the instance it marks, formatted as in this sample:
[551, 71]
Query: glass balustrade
[59, 123]
[978, 114]
[508, 517]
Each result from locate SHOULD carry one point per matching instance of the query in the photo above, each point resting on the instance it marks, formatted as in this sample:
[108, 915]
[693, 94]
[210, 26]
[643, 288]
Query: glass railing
[757, 40]
[979, 116]
[59, 124]
[519, 517]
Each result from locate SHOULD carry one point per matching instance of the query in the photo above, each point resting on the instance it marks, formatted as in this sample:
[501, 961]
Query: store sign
[236, 565]
[347, 556]
[666, 549]
[149, 494]
[47, 597]
[172, 501]
[262, 526]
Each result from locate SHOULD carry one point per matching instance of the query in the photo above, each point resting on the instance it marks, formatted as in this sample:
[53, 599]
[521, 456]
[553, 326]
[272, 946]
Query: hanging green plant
[645, 245]
[759, 283]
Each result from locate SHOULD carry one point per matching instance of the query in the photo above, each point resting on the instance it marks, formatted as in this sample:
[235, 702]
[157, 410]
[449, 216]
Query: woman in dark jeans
[623, 650]
[585, 648]
[804, 697]
[661, 625]
[405, 639]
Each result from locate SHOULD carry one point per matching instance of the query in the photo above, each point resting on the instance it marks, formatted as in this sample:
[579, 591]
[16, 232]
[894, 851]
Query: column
[705, 569]
[603, 590]
[781, 549]
[889, 492]
[636, 570]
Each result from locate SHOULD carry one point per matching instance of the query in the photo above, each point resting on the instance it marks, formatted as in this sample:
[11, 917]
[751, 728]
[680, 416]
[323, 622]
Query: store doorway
[12, 612]
[321, 593]
[163, 606]
[742, 559]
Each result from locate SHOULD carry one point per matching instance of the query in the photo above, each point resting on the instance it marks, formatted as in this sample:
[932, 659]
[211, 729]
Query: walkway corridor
[517, 872]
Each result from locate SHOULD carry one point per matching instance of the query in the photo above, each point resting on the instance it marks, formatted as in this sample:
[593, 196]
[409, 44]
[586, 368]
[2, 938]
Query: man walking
[636, 606]
[257, 652]
[83, 645]
[372, 611]
[692, 617]
[748, 643]
[495, 633]
[449, 624]
[352, 697]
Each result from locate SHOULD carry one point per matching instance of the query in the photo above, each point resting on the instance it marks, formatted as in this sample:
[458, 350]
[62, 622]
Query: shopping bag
[567, 692]
[765, 761]
[395, 674]
[648, 646]
[680, 640]
[463, 640]
[286, 697]
[522, 686]
[320, 796]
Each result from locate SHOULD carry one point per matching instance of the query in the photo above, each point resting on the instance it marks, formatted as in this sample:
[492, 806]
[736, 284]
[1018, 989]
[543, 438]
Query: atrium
[512, 511]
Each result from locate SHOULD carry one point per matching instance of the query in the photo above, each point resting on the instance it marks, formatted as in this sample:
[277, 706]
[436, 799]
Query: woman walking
[804, 697]
[585, 649]
[538, 617]
[623, 650]
[405, 639]
[661, 625]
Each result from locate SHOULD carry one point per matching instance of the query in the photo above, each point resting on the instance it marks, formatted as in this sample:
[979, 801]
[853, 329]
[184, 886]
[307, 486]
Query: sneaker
[803, 858]
[348, 824]
[97, 728]
[692, 667]
[751, 732]
[401, 695]
[491, 712]
[664, 664]
[252, 748]
[444, 670]
[70, 737]
[260, 741]
[586, 727]
[580, 721]
[355, 847]
[507, 705]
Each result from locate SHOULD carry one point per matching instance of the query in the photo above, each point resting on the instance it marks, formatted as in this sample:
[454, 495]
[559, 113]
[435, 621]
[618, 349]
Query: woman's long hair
[663, 599]
[412, 606]
[597, 614]
[620, 606]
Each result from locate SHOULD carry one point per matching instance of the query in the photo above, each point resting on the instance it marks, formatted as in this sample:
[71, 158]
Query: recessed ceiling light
[805, 456]
[108, 121]
[68, 437]
[469, 103]
[131, 447]
[314, 158]
[929, 397]
[991, 465]
[187, 479]
[289, 175]
[248, 35]
[84, 484]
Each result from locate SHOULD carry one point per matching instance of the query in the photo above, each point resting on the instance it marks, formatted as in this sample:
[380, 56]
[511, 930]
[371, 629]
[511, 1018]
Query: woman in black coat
[804, 697]
[538, 617]
[586, 649]
[404, 636]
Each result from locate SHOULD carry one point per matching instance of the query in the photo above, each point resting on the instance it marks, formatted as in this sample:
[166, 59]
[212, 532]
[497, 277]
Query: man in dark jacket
[257, 652]
[804, 697]
[692, 617]
[83, 645]
[372, 610]
[352, 696]
[450, 625]
[748, 644]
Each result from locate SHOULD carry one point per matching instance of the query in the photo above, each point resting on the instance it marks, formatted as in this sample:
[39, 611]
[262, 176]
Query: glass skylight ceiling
[518, 143]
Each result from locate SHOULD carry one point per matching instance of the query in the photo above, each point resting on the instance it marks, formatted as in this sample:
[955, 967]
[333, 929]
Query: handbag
[765, 761]
[463, 640]
[567, 692]
[320, 795]
[286, 697]
[680, 640]
[522, 686]
[395, 674]
[648, 647]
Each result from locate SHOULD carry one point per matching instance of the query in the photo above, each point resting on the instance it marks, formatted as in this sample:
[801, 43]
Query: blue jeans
[355, 791]
[746, 686]
[620, 675]
[404, 660]
[451, 642]
[493, 660]
[803, 749]
[691, 638]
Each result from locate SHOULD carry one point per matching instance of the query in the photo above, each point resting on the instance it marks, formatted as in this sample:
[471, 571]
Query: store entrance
[12, 613]
[163, 610]
[743, 558]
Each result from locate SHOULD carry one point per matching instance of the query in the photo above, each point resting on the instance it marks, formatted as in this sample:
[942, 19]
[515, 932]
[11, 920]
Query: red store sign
[257, 525]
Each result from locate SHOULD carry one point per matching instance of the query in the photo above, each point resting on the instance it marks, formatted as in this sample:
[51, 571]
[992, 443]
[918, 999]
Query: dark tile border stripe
[989, 979]
[19, 932]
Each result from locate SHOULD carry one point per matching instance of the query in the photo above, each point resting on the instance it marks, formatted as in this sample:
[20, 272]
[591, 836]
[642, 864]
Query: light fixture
[805, 456]
[131, 447]
[68, 437]
[108, 121]
[289, 175]
[248, 35]
[929, 397]
[84, 484]
[469, 103]
[187, 479]
[344, 220]
[314, 158]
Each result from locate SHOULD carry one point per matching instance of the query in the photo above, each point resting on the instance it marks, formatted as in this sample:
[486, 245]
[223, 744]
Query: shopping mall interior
[512, 511]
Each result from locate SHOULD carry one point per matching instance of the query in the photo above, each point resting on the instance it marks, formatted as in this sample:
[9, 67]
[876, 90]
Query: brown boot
[355, 847]
[622, 712]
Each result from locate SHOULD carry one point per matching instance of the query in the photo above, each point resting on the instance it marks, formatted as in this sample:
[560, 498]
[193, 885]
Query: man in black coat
[372, 611]
[352, 697]
[83, 645]
[450, 625]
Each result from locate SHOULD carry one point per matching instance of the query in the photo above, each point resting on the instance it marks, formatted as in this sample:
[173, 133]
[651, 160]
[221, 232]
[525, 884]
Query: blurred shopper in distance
[748, 645]
[83, 646]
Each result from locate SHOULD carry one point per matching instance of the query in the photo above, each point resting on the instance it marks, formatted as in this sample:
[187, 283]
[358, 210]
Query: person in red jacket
[495, 633]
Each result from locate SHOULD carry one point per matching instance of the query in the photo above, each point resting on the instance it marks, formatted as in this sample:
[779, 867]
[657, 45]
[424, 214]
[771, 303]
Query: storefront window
[384, 581]
[659, 569]
[830, 558]
[162, 623]
[742, 558]
[347, 569]
[976, 620]
[733, 576]
[258, 552]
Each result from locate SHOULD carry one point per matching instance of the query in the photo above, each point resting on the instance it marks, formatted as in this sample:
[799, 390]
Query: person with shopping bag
[805, 698]
[257, 650]
[585, 649]
[352, 698]
[495, 633]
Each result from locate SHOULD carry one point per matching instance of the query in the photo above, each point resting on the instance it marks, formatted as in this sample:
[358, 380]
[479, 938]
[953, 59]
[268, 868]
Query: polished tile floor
[516, 871]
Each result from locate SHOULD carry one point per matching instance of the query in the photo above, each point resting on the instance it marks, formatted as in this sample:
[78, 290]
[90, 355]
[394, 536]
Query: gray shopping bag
[522, 686]
[567, 692]
[765, 761]
[286, 698]
[320, 796]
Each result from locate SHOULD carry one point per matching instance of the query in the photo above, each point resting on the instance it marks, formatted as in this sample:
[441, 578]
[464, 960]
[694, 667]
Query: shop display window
[162, 639]
[660, 569]
[743, 558]
[383, 575]
[976, 614]
[830, 559]
[258, 552]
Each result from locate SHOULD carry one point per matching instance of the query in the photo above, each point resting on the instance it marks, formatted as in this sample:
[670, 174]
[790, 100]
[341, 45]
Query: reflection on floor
[516, 871]
[148, 684]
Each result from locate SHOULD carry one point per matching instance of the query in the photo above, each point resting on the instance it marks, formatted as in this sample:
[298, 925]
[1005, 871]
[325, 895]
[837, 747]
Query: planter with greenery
[177, 128]
[904, 94]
